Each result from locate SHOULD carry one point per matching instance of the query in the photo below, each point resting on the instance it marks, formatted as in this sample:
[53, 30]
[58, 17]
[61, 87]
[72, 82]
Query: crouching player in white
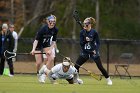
[64, 70]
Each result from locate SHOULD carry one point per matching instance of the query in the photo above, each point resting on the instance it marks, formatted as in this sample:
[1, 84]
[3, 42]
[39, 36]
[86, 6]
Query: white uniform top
[58, 72]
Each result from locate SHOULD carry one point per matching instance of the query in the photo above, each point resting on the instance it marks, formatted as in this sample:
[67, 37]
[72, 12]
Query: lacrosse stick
[77, 18]
[9, 55]
[92, 74]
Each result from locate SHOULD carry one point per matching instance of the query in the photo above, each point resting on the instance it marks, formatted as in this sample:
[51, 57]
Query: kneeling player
[63, 70]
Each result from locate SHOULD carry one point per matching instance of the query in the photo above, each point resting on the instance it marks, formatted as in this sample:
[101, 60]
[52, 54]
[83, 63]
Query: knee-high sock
[41, 71]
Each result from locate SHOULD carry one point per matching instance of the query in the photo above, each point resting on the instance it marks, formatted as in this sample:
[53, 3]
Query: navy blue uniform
[6, 43]
[87, 48]
[44, 36]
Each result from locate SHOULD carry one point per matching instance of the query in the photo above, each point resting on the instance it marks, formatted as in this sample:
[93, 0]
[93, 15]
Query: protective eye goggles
[52, 22]
[87, 23]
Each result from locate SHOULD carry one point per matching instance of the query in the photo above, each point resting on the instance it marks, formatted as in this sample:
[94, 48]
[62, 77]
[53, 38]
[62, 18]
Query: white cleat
[41, 81]
[42, 78]
[10, 75]
[109, 81]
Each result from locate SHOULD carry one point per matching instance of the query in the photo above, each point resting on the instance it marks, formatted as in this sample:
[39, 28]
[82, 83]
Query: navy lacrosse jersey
[6, 42]
[44, 36]
[92, 44]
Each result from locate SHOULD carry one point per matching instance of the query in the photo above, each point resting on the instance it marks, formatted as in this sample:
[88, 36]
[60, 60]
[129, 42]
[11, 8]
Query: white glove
[14, 59]
[80, 81]
[57, 50]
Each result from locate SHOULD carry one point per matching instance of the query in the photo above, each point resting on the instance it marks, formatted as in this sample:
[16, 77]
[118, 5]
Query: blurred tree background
[115, 18]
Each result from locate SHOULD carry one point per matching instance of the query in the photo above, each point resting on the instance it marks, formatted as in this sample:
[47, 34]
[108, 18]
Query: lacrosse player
[6, 43]
[39, 49]
[46, 39]
[64, 70]
[15, 36]
[89, 42]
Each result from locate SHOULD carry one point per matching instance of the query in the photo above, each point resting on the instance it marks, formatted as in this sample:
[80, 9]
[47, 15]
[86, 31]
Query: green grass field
[30, 84]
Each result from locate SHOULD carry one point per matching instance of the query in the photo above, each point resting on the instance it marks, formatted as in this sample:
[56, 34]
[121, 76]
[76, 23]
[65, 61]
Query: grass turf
[30, 84]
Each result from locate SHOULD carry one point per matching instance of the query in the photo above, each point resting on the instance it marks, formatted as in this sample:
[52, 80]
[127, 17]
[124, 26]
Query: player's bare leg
[50, 62]
[38, 58]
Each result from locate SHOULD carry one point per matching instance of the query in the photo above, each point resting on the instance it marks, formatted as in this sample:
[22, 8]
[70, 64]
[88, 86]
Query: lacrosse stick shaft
[77, 18]
[9, 55]
[96, 76]
[28, 53]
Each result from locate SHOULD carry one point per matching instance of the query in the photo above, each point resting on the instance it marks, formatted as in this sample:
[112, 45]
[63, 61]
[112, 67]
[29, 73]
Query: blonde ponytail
[92, 21]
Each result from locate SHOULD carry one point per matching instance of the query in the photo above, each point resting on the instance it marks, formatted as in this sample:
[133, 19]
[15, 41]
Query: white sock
[41, 71]
[46, 70]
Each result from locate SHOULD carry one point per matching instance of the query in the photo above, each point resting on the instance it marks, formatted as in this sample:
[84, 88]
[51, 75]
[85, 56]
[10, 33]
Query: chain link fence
[110, 51]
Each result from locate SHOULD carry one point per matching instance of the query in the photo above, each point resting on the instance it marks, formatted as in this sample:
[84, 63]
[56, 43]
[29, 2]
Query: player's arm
[82, 39]
[54, 39]
[15, 41]
[50, 76]
[37, 38]
[56, 48]
[76, 77]
[53, 80]
[54, 70]
[53, 45]
[34, 46]
[97, 41]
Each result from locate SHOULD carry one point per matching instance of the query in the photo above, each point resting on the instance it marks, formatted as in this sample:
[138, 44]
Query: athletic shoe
[10, 75]
[109, 81]
[39, 77]
[42, 78]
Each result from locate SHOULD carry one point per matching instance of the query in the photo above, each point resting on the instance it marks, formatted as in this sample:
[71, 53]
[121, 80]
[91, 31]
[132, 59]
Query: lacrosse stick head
[77, 18]
[9, 55]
